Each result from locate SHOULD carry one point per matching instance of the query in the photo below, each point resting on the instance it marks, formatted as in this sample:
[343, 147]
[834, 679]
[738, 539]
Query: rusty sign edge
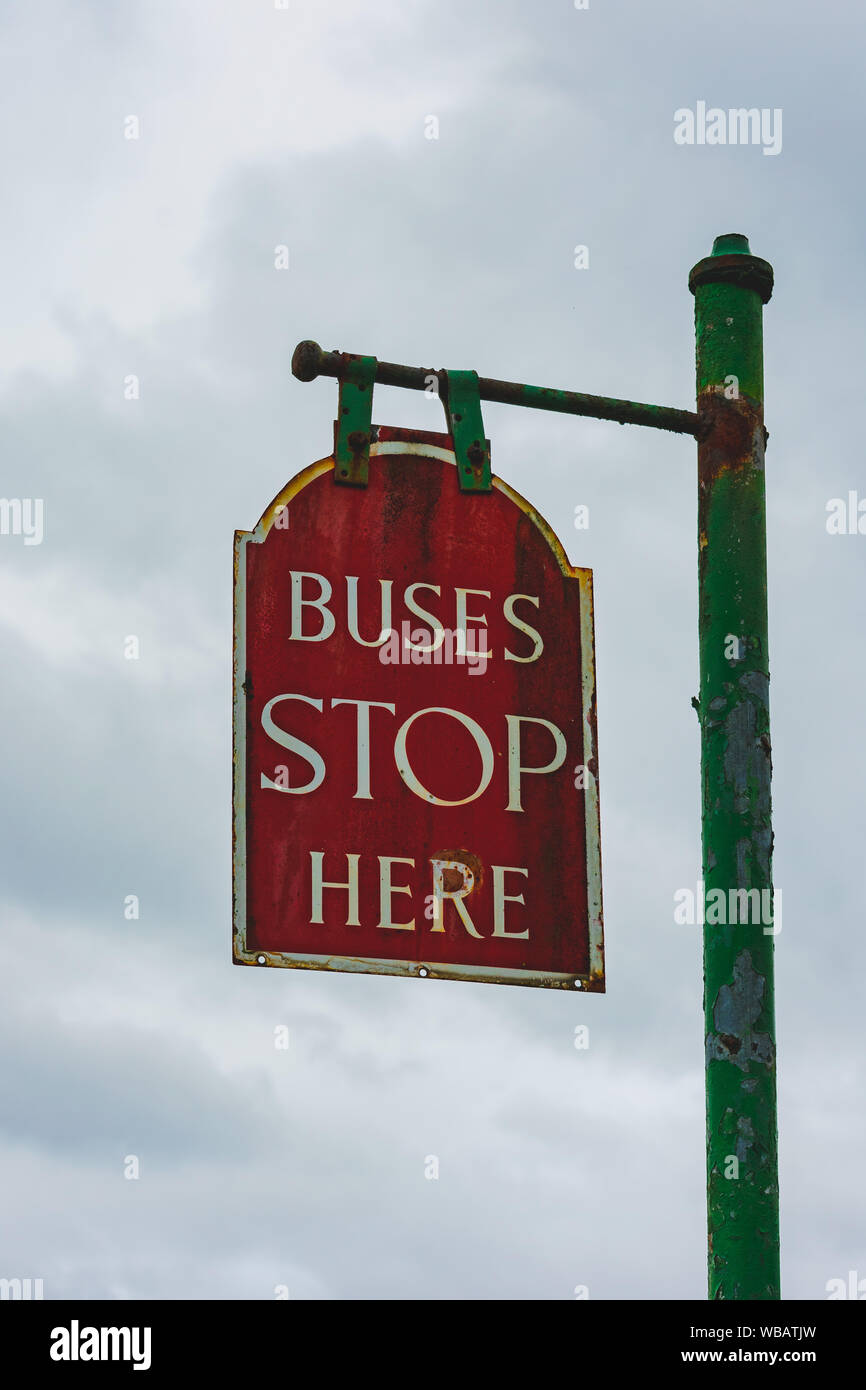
[594, 980]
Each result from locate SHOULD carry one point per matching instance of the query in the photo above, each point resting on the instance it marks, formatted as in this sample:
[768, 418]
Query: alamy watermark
[20, 1289]
[854, 1287]
[23, 516]
[737, 126]
[77, 1343]
[846, 517]
[462, 647]
[736, 907]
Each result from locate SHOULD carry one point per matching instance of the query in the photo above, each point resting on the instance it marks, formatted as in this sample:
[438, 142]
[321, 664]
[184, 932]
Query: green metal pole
[730, 288]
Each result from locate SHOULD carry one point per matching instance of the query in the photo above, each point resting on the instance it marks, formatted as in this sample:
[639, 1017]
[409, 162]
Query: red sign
[416, 786]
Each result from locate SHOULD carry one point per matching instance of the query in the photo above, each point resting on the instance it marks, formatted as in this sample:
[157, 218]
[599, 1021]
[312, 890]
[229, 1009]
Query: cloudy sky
[304, 126]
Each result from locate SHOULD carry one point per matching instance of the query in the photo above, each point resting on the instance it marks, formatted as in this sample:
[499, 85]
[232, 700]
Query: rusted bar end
[307, 360]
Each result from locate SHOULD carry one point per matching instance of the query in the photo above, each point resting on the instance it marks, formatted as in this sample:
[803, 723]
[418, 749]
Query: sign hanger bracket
[354, 420]
[471, 449]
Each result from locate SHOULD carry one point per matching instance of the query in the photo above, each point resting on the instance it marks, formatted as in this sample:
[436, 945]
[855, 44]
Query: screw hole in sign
[422, 970]
[260, 960]
[577, 984]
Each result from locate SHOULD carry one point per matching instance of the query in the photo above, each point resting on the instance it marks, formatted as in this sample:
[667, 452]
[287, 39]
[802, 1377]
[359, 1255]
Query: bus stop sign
[415, 767]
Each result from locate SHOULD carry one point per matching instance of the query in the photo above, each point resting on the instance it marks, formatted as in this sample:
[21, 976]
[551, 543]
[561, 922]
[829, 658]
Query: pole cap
[732, 263]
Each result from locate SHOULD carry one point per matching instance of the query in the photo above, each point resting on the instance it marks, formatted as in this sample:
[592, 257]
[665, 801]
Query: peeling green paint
[730, 288]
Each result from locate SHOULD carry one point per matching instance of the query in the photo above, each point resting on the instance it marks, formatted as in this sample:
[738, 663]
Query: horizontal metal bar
[310, 361]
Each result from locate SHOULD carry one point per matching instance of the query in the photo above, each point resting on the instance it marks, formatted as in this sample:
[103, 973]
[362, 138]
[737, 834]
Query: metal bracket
[471, 449]
[354, 420]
